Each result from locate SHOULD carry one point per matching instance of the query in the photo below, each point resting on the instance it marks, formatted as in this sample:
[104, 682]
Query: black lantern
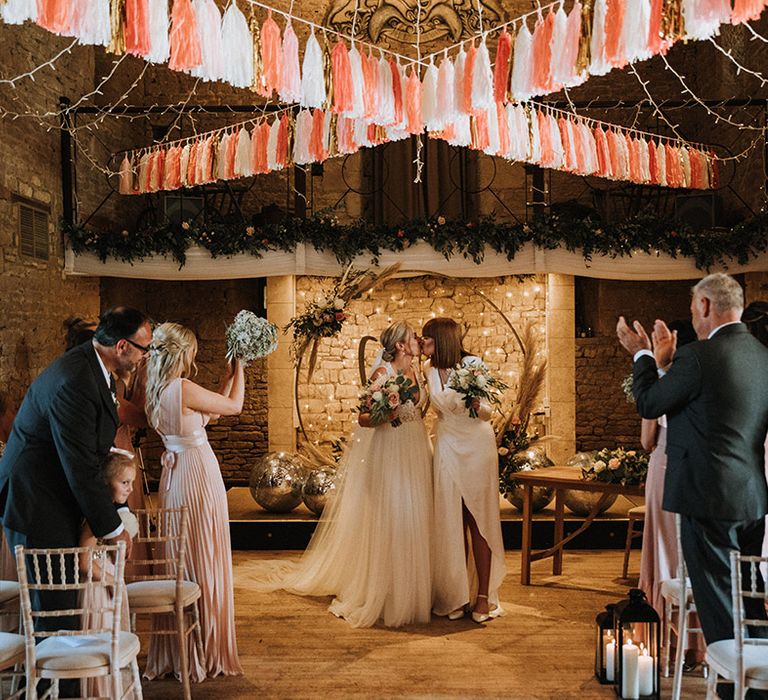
[638, 641]
[605, 645]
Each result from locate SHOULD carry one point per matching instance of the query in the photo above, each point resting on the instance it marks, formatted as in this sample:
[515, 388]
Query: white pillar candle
[629, 680]
[610, 660]
[645, 668]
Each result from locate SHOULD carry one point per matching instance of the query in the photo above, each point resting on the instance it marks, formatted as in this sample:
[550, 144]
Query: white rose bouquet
[474, 381]
[250, 337]
[619, 466]
[384, 395]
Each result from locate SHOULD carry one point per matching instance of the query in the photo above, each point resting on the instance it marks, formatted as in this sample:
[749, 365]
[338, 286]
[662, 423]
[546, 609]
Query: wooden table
[560, 479]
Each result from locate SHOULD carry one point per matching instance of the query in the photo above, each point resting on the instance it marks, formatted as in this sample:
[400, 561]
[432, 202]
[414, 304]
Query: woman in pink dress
[178, 409]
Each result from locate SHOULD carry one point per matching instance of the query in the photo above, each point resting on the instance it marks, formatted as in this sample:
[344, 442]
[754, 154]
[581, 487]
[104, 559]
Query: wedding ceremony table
[560, 479]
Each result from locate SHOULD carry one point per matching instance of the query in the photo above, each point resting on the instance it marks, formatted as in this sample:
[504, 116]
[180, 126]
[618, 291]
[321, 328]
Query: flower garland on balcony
[469, 239]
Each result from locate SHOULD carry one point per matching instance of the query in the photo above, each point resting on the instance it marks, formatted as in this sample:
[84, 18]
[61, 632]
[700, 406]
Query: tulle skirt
[371, 549]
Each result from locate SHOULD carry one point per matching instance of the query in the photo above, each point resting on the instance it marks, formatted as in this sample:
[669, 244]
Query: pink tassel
[397, 91]
[481, 140]
[503, 127]
[260, 141]
[281, 156]
[370, 84]
[653, 166]
[229, 155]
[413, 102]
[55, 15]
[126, 177]
[271, 53]
[458, 82]
[290, 75]
[469, 72]
[502, 67]
[598, 64]
[342, 79]
[559, 57]
[542, 55]
[317, 148]
[547, 154]
[614, 35]
[185, 42]
[747, 10]
[137, 27]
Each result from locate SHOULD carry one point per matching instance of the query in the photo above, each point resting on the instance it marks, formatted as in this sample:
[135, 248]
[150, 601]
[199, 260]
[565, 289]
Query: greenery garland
[645, 232]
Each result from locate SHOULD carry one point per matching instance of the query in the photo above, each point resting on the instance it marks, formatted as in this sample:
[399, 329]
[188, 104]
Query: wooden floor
[291, 647]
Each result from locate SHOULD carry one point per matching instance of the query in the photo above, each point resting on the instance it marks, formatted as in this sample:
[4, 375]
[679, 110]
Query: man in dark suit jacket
[715, 397]
[50, 473]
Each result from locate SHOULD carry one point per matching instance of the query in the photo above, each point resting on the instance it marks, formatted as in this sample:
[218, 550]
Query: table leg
[557, 557]
[525, 546]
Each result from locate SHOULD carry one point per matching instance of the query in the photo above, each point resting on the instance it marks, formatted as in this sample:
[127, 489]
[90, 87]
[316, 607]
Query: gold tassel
[258, 86]
[585, 41]
[333, 149]
[672, 20]
[327, 72]
[117, 27]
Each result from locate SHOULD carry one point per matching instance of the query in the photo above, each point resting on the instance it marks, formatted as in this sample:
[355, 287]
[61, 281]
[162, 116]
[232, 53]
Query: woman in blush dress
[371, 548]
[178, 409]
[468, 550]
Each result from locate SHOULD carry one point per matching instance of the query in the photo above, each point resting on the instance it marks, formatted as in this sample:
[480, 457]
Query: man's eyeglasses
[144, 348]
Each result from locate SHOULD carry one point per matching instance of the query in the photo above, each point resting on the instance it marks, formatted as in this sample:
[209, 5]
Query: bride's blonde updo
[172, 355]
[396, 333]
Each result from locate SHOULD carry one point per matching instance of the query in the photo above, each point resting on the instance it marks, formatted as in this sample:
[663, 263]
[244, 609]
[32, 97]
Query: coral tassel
[137, 27]
[614, 32]
[184, 41]
[343, 95]
[502, 67]
[542, 55]
[413, 102]
[271, 50]
[469, 73]
[317, 147]
[370, 85]
[397, 91]
[747, 10]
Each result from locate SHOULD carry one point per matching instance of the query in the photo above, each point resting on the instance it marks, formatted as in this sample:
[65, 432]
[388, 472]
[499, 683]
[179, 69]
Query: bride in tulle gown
[371, 548]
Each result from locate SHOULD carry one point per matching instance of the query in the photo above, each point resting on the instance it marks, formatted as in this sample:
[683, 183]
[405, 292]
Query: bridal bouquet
[474, 381]
[384, 395]
[250, 337]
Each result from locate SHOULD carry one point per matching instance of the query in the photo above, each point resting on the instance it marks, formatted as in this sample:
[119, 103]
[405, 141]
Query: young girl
[119, 471]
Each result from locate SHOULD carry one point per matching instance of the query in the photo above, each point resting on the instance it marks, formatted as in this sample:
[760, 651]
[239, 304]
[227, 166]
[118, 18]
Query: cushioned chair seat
[11, 645]
[84, 651]
[8, 591]
[672, 587]
[152, 594]
[722, 656]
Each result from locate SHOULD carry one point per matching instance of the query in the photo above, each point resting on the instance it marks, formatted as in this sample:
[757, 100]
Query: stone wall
[206, 308]
[328, 403]
[604, 418]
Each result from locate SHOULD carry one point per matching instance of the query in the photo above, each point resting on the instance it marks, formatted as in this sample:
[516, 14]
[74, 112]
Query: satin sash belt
[176, 444]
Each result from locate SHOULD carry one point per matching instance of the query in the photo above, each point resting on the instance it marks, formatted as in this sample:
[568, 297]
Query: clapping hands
[662, 342]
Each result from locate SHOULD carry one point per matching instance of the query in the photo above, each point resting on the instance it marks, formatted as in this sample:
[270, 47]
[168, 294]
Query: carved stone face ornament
[393, 22]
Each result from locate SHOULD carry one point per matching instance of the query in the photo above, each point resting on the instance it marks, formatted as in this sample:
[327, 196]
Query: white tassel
[301, 154]
[560, 55]
[243, 154]
[645, 164]
[221, 158]
[517, 127]
[385, 97]
[598, 64]
[520, 85]
[494, 144]
[462, 131]
[356, 69]
[184, 164]
[290, 75]
[429, 114]
[209, 33]
[312, 75]
[557, 142]
[637, 20]
[158, 36]
[661, 160]
[482, 80]
[143, 173]
[534, 153]
[18, 11]
[272, 145]
[458, 81]
[572, 160]
[360, 133]
[237, 48]
[446, 94]
[703, 24]
[126, 176]
[94, 23]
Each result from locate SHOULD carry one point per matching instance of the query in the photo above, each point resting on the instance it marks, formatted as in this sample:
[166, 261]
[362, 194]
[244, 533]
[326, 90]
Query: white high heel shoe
[479, 618]
[456, 614]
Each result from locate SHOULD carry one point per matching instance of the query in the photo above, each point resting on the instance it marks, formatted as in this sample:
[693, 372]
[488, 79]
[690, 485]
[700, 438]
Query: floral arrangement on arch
[324, 317]
[619, 466]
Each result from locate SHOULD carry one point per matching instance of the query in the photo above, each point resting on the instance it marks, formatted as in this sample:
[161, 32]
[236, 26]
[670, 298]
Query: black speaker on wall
[697, 210]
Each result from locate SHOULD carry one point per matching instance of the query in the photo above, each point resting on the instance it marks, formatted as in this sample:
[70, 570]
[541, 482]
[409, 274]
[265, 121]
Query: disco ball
[581, 460]
[318, 487]
[276, 481]
[526, 460]
[582, 502]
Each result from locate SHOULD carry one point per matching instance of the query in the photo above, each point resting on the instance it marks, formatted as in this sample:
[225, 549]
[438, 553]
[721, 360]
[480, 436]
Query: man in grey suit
[714, 393]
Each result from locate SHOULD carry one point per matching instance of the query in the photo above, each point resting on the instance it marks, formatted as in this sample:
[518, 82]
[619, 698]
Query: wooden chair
[741, 660]
[157, 586]
[103, 650]
[678, 602]
[635, 515]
